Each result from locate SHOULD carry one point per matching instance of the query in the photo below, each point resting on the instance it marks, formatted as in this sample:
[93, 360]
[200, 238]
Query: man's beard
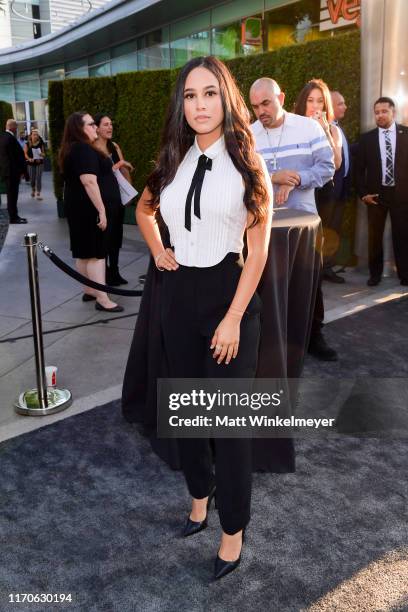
[267, 121]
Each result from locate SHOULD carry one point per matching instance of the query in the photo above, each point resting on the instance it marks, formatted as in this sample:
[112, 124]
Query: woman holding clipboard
[34, 152]
[106, 145]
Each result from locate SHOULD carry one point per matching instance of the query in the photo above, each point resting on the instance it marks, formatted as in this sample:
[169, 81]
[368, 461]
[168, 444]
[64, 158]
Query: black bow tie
[204, 163]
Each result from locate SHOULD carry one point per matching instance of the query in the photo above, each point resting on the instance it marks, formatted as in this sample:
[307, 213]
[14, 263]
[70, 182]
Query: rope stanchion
[83, 279]
[48, 400]
[42, 400]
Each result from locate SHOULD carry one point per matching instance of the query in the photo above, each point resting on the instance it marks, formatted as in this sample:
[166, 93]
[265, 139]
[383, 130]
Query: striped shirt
[300, 144]
[221, 228]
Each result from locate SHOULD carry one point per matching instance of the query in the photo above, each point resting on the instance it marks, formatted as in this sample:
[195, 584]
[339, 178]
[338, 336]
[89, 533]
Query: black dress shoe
[116, 308]
[116, 280]
[222, 568]
[88, 298]
[373, 281]
[319, 348]
[330, 275]
[121, 280]
[192, 527]
[19, 220]
[113, 278]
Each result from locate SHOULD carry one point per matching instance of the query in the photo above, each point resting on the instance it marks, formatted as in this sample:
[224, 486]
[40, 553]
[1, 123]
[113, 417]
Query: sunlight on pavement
[382, 586]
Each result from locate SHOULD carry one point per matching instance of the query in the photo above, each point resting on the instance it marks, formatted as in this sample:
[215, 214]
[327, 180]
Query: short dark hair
[385, 100]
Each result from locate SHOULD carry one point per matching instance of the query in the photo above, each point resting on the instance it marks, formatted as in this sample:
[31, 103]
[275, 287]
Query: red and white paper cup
[51, 376]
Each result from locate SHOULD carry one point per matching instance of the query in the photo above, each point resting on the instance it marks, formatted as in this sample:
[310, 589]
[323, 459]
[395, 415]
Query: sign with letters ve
[339, 13]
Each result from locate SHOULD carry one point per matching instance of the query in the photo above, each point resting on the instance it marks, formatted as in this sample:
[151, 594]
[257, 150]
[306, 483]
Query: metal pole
[41, 401]
[30, 241]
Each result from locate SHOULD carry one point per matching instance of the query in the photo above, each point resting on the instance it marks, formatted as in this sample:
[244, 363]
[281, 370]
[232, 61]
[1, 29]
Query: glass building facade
[227, 30]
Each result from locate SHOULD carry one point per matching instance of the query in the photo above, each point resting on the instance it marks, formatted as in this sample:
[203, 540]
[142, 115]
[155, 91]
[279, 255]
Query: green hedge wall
[6, 112]
[335, 60]
[97, 94]
[141, 107]
[137, 101]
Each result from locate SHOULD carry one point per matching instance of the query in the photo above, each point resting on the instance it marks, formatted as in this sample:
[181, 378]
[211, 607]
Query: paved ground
[91, 358]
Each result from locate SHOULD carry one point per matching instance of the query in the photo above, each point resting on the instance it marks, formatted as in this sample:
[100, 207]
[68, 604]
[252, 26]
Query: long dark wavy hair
[109, 144]
[300, 104]
[73, 132]
[178, 136]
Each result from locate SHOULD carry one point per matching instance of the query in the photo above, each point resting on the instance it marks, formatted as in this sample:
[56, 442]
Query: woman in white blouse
[210, 186]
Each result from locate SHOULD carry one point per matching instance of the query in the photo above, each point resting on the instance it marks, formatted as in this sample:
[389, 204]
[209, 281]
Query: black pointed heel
[192, 527]
[222, 568]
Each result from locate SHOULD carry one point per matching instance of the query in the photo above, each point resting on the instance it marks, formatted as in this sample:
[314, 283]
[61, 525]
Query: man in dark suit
[382, 177]
[342, 182]
[12, 166]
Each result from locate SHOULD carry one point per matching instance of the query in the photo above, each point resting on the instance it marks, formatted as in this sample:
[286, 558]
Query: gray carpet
[4, 224]
[86, 508]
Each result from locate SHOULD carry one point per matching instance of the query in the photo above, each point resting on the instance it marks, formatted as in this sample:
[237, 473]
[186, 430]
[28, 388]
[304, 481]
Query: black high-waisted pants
[194, 301]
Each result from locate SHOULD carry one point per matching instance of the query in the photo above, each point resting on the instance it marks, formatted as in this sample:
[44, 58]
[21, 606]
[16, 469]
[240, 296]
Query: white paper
[36, 152]
[127, 191]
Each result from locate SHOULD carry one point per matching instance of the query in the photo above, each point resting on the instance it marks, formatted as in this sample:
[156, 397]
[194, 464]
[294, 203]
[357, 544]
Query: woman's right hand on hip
[166, 260]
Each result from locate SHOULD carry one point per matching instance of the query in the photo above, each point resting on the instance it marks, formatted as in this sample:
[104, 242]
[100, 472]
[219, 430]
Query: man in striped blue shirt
[296, 150]
[299, 159]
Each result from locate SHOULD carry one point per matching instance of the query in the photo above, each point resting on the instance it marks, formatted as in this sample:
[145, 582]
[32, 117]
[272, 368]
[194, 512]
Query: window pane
[271, 4]
[153, 50]
[186, 48]
[154, 57]
[20, 111]
[293, 23]
[52, 73]
[37, 110]
[77, 69]
[184, 28]
[226, 41]
[232, 11]
[6, 87]
[124, 58]
[99, 64]
[27, 85]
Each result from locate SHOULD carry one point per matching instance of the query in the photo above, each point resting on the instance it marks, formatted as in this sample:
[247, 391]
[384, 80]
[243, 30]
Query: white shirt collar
[215, 149]
[392, 128]
[10, 132]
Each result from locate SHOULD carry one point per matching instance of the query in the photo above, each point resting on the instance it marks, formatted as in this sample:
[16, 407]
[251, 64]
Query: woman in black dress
[314, 101]
[111, 149]
[90, 186]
